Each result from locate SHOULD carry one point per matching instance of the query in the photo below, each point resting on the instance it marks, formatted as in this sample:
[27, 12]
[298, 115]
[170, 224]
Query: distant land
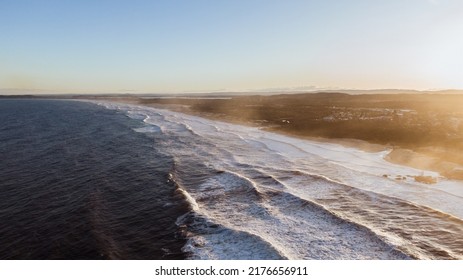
[276, 91]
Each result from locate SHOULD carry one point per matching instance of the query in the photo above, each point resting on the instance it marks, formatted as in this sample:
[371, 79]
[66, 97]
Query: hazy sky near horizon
[178, 46]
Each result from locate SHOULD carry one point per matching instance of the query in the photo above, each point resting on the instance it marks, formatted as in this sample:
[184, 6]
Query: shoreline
[396, 155]
[185, 109]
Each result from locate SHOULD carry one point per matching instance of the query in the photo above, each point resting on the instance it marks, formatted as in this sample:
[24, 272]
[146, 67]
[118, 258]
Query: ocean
[77, 182]
[101, 180]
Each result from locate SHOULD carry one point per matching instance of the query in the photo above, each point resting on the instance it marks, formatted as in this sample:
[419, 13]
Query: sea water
[108, 180]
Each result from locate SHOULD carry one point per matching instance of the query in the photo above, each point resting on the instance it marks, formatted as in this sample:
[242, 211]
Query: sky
[139, 46]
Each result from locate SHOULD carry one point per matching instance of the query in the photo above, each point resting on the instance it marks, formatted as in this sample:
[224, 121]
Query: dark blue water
[76, 182]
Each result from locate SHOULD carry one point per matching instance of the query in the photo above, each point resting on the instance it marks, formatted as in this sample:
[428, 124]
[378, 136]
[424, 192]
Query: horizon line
[40, 92]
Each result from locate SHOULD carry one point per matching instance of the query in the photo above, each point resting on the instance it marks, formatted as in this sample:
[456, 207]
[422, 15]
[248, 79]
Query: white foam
[254, 210]
[148, 129]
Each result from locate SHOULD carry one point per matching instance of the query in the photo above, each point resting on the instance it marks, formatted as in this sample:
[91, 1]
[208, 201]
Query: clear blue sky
[196, 45]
